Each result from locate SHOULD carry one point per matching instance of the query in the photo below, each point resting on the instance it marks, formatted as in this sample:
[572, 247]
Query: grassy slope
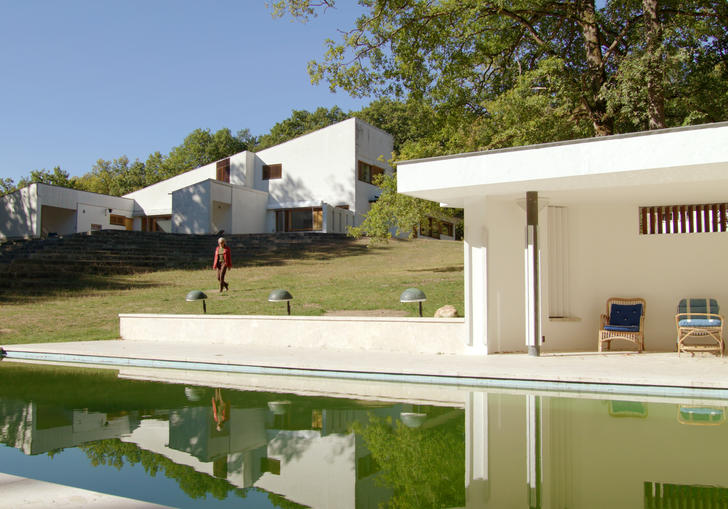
[353, 279]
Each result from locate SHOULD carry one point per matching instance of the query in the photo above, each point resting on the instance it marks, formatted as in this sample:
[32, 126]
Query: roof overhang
[669, 166]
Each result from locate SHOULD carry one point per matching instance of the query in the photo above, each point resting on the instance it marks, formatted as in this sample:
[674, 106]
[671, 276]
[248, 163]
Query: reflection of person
[222, 262]
[220, 409]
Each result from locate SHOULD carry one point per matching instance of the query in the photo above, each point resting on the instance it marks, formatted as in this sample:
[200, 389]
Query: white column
[477, 487]
[476, 276]
[534, 453]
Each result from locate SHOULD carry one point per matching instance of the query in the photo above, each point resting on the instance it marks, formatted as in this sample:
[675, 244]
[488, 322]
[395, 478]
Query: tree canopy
[622, 66]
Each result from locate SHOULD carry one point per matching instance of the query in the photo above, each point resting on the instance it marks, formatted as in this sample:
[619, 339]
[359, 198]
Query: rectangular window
[367, 172]
[117, 220]
[272, 171]
[223, 170]
[300, 220]
[703, 218]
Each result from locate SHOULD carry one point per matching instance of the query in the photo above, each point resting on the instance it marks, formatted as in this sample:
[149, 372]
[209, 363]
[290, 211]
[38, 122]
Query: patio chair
[625, 319]
[699, 318]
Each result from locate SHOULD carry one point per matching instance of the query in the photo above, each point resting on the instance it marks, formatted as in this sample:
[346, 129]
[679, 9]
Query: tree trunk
[596, 74]
[654, 65]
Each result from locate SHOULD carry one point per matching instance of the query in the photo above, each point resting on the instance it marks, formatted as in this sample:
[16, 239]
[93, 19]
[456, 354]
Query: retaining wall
[414, 335]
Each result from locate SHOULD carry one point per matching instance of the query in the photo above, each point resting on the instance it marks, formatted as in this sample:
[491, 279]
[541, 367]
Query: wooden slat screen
[704, 218]
[223, 170]
[272, 171]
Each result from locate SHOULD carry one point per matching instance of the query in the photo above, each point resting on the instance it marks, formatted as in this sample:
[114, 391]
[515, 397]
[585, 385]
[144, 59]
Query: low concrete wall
[415, 335]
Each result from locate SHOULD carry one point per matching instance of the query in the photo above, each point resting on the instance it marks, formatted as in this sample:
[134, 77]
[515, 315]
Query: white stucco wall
[19, 213]
[192, 208]
[157, 198]
[607, 257]
[248, 210]
[373, 146]
[318, 166]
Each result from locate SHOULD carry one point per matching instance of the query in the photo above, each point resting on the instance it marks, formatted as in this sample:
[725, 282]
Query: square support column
[533, 276]
[476, 276]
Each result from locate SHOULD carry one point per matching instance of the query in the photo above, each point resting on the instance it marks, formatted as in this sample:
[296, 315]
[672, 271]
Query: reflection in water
[478, 450]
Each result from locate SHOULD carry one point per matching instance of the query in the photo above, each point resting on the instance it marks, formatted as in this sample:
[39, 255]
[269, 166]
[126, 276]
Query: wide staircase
[37, 262]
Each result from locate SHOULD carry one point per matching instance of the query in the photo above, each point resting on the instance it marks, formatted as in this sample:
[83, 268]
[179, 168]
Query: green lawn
[354, 278]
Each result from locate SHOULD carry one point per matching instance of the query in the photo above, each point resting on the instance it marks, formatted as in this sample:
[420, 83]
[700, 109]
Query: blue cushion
[698, 306]
[625, 315]
[622, 328]
[699, 322]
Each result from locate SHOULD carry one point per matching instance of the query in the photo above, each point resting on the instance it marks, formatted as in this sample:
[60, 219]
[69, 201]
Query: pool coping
[500, 371]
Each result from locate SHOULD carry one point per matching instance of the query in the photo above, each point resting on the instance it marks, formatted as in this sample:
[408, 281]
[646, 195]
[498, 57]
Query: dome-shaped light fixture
[413, 295]
[281, 295]
[197, 295]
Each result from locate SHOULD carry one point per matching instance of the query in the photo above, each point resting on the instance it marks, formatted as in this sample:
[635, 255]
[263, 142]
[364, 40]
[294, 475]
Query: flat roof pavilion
[602, 184]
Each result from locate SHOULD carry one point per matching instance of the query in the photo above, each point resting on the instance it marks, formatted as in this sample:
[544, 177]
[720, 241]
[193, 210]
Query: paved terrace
[625, 373]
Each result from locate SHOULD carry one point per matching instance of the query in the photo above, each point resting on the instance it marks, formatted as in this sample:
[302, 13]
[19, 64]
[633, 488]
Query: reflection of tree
[280, 501]
[114, 452]
[424, 466]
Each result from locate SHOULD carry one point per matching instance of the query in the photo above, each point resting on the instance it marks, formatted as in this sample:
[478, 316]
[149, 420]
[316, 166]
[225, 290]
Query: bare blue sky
[87, 79]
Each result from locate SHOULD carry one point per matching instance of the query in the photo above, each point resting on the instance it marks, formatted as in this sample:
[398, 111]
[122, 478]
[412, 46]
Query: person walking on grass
[222, 262]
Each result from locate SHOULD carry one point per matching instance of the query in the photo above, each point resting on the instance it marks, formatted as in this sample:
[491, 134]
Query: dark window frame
[272, 171]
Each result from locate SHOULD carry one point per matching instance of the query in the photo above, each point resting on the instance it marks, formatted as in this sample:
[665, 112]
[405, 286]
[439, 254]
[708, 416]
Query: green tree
[202, 147]
[57, 177]
[393, 212]
[425, 467]
[460, 55]
[7, 185]
[299, 123]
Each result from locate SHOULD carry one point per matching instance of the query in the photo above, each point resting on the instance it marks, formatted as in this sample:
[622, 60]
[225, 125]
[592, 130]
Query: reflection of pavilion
[38, 428]
[529, 451]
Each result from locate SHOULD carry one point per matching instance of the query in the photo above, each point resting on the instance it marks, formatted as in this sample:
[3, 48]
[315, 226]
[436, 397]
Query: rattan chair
[625, 319]
[699, 318]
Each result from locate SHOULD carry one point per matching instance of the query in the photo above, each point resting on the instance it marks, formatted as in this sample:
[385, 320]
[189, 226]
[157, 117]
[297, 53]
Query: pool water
[187, 445]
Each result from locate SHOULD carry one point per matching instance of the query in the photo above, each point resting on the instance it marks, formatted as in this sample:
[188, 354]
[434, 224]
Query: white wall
[607, 258]
[318, 166]
[69, 199]
[192, 206]
[248, 210]
[373, 146]
[157, 199]
[19, 213]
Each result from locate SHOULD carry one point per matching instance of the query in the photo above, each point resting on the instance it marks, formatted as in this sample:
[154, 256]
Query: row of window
[365, 172]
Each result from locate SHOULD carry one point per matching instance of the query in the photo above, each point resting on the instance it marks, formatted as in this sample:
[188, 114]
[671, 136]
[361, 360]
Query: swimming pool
[322, 443]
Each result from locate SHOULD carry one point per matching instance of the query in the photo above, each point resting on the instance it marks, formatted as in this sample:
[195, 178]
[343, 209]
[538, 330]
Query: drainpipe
[533, 277]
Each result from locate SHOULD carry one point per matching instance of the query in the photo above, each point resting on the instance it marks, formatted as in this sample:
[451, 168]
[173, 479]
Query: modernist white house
[320, 181]
[639, 215]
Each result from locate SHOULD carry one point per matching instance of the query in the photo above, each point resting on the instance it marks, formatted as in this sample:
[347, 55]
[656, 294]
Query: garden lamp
[280, 295]
[413, 295]
[197, 295]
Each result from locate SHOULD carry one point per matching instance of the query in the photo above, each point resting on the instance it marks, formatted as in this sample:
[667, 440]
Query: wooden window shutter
[223, 170]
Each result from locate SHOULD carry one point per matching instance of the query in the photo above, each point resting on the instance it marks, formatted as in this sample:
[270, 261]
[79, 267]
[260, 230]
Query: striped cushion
[698, 306]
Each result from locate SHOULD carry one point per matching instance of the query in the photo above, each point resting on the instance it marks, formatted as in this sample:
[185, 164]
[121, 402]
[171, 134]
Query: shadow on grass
[319, 252]
[33, 290]
[449, 268]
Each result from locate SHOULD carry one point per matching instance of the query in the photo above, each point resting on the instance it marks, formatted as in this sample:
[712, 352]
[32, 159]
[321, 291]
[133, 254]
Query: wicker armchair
[699, 318]
[625, 319]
